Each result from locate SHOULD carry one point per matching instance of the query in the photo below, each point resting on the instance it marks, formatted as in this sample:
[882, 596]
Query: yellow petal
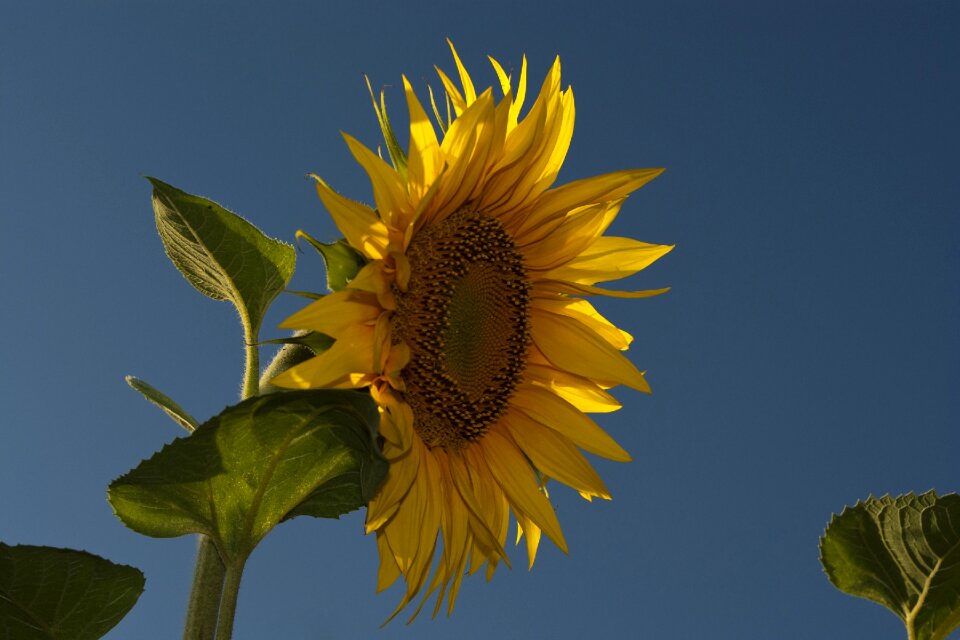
[554, 412]
[501, 75]
[539, 110]
[522, 144]
[412, 532]
[388, 572]
[582, 393]
[530, 182]
[469, 94]
[572, 346]
[359, 224]
[396, 417]
[347, 364]
[424, 159]
[471, 487]
[335, 313]
[518, 482]
[555, 455]
[373, 278]
[561, 145]
[466, 148]
[555, 203]
[577, 232]
[570, 288]
[400, 477]
[521, 94]
[456, 539]
[584, 312]
[527, 527]
[609, 258]
[388, 191]
[459, 105]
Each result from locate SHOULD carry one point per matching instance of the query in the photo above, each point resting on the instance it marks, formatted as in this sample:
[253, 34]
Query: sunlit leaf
[245, 470]
[342, 261]
[903, 553]
[61, 594]
[222, 255]
[166, 404]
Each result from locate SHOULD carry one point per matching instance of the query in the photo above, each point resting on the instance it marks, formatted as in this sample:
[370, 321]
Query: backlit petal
[358, 222]
[573, 346]
[554, 412]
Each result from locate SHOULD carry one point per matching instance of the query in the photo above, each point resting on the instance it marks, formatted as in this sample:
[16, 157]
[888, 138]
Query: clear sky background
[807, 356]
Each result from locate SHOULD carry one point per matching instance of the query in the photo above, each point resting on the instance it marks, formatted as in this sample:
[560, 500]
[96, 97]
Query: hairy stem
[228, 603]
[251, 371]
[208, 576]
[213, 596]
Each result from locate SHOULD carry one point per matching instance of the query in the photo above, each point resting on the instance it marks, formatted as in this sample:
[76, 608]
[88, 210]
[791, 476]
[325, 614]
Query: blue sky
[807, 356]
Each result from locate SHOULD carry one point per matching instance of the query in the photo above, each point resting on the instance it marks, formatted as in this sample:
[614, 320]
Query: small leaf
[903, 553]
[222, 255]
[342, 261]
[166, 404]
[245, 470]
[61, 594]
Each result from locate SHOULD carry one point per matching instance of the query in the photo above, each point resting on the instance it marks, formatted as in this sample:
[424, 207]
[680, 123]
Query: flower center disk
[465, 316]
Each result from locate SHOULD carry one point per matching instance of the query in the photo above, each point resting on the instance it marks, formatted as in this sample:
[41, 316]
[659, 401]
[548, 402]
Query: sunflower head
[469, 325]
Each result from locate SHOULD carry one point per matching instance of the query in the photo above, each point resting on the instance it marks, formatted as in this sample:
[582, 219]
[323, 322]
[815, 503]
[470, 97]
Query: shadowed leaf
[245, 470]
[61, 594]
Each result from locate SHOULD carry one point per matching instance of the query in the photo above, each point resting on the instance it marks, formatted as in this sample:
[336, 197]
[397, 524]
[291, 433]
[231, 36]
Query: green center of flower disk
[465, 316]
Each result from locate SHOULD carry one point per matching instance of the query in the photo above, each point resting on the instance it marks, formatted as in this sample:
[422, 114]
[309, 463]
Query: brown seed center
[465, 316]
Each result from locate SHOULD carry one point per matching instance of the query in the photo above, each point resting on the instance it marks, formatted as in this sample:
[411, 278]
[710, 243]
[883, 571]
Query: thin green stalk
[208, 576]
[213, 596]
[228, 603]
[251, 372]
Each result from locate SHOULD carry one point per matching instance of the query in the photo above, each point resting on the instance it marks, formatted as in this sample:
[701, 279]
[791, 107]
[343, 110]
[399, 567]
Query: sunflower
[469, 326]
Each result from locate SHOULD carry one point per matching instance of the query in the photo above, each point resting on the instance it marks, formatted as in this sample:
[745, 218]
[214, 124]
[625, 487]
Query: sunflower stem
[208, 576]
[213, 595]
[251, 371]
[228, 603]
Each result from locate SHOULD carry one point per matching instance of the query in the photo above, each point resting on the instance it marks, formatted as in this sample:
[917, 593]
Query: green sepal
[222, 255]
[173, 410]
[314, 340]
[343, 262]
[309, 295]
[397, 156]
[253, 465]
[48, 593]
[903, 553]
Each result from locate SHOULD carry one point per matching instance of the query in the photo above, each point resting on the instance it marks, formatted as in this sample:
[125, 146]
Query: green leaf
[166, 404]
[903, 553]
[222, 255]
[61, 594]
[247, 469]
[342, 261]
